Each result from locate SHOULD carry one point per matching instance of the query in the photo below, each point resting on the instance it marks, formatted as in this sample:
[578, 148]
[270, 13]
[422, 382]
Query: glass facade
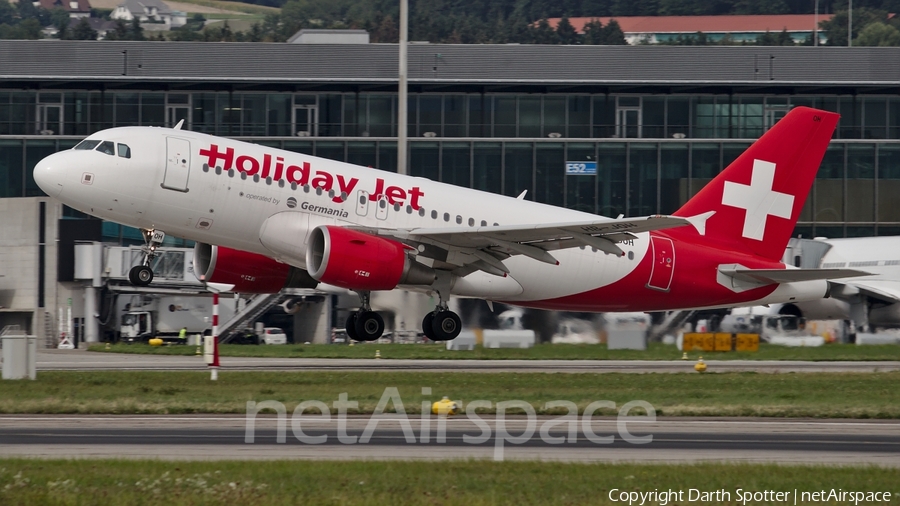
[499, 115]
[653, 151]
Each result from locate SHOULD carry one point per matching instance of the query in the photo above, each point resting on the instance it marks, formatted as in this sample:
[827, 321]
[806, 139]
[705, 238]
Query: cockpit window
[124, 151]
[87, 144]
[108, 147]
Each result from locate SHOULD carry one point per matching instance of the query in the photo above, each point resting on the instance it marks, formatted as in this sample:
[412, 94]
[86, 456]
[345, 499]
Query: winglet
[699, 221]
[522, 195]
[178, 126]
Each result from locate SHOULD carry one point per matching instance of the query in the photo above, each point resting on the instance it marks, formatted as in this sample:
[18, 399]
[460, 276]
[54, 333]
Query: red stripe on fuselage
[694, 282]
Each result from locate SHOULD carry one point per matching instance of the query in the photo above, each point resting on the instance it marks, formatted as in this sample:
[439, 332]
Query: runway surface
[78, 360]
[673, 439]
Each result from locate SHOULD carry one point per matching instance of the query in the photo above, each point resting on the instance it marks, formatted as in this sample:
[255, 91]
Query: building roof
[706, 24]
[328, 32]
[449, 67]
[139, 6]
[333, 31]
[81, 5]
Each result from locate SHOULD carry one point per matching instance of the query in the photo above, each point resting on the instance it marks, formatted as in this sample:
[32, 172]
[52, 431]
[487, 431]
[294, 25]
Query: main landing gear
[441, 324]
[365, 324]
[142, 275]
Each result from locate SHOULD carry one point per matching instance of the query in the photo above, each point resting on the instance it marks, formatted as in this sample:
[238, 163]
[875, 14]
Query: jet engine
[248, 272]
[359, 261]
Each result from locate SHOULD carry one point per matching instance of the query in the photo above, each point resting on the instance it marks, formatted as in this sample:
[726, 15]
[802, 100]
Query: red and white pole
[214, 367]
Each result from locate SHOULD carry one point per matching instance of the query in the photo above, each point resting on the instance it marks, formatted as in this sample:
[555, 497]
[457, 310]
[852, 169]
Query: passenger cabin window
[87, 144]
[124, 151]
[107, 147]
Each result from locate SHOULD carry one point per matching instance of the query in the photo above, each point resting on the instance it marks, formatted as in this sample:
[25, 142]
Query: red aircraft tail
[757, 199]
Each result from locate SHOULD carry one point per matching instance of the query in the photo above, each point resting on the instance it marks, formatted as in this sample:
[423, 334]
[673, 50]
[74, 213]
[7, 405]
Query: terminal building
[659, 122]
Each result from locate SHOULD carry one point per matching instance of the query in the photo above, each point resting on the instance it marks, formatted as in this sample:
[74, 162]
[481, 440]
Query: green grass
[655, 351]
[823, 395]
[79, 482]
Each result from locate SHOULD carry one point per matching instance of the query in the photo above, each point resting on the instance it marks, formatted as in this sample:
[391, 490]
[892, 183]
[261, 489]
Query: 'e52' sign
[581, 168]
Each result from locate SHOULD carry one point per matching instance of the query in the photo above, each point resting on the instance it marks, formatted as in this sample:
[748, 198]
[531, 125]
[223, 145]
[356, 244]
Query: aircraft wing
[483, 248]
[479, 237]
[880, 289]
[773, 276]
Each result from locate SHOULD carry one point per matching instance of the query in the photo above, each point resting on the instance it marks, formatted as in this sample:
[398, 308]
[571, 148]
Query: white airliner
[265, 219]
[869, 301]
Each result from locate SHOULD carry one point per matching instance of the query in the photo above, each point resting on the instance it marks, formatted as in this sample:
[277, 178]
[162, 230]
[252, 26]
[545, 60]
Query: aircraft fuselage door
[178, 164]
[663, 267]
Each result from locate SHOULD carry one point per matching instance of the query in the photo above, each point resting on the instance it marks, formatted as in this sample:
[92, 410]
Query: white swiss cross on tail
[758, 199]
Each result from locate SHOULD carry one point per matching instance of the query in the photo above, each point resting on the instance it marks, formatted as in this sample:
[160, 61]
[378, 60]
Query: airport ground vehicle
[166, 316]
[273, 335]
[766, 325]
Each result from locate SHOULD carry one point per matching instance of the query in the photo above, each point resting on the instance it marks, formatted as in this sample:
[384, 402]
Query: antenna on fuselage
[178, 126]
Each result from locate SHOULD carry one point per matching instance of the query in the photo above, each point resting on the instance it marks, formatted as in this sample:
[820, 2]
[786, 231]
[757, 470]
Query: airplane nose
[48, 174]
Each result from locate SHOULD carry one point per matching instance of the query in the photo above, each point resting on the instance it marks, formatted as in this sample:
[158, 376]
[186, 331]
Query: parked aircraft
[265, 219]
[871, 301]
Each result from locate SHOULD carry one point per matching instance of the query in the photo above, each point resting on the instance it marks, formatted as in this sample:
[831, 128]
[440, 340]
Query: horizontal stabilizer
[774, 276]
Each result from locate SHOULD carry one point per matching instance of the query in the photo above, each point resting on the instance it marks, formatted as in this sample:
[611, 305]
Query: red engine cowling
[359, 261]
[248, 272]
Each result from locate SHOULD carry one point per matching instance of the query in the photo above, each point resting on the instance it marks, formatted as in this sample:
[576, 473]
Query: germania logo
[327, 211]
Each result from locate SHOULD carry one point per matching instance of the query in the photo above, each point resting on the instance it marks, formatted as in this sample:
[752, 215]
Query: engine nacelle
[248, 272]
[360, 261]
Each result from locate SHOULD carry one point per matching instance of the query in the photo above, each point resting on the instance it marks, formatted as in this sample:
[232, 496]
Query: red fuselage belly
[678, 275]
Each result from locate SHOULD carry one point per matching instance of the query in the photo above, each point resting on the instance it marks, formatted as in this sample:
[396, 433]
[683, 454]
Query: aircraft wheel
[446, 325]
[350, 326]
[140, 275]
[369, 326]
[426, 326]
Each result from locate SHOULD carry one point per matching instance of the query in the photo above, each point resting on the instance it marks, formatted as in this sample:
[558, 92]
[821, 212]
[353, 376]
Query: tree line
[480, 21]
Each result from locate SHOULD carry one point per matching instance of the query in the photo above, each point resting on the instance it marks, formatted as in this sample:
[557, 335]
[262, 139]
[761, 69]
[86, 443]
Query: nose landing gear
[142, 275]
[365, 324]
